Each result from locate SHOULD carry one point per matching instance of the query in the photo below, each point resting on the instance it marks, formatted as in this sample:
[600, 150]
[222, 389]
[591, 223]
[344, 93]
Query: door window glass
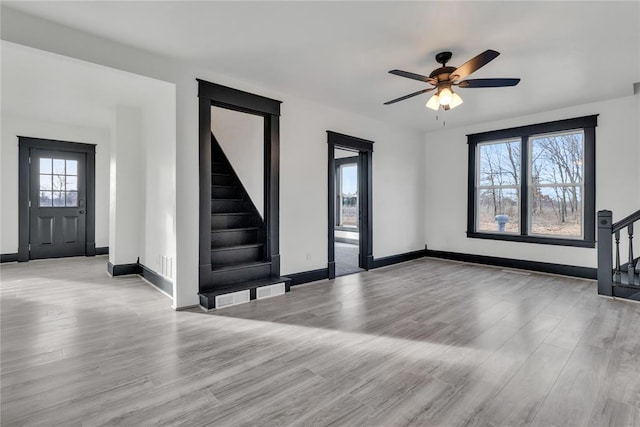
[58, 183]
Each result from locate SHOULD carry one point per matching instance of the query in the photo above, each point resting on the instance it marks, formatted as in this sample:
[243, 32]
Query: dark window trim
[587, 124]
[25, 144]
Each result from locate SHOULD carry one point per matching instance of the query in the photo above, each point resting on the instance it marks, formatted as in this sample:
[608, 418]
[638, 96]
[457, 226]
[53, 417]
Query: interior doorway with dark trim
[360, 215]
[56, 199]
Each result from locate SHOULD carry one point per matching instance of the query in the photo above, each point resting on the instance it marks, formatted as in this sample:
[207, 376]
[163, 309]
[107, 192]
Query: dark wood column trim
[204, 246]
[331, 186]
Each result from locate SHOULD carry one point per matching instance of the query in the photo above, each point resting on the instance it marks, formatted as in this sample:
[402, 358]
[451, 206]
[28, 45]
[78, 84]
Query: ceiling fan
[444, 78]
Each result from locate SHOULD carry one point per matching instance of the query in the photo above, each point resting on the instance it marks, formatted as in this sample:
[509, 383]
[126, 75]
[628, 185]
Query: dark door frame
[211, 94]
[365, 196]
[25, 144]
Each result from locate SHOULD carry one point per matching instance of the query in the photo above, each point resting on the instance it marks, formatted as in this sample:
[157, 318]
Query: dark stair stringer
[238, 258]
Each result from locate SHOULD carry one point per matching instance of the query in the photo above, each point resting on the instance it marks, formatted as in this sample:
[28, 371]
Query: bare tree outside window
[557, 179]
[498, 191]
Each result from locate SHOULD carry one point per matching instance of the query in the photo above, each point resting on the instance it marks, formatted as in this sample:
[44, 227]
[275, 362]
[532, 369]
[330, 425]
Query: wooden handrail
[624, 222]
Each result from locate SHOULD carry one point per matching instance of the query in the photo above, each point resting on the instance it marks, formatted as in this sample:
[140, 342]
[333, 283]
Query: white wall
[13, 127]
[125, 213]
[241, 137]
[158, 177]
[398, 199]
[617, 179]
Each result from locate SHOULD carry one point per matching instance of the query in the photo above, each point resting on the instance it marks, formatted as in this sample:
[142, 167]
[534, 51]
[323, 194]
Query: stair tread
[624, 281]
[222, 230]
[245, 285]
[237, 247]
[241, 266]
[231, 213]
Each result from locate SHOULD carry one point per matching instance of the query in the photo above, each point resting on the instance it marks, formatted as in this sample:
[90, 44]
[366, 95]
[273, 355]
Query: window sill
[534, 239]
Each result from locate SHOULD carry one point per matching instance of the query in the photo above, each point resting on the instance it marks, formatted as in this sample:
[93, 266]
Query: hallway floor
[424, 343]
[346, 256]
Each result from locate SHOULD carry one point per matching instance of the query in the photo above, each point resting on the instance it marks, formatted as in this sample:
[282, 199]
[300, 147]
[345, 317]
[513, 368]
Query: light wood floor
[428, 343]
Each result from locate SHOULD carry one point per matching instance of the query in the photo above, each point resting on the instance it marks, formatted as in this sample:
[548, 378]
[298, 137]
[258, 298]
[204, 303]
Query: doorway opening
[346, 231]
[239, 220]
[56, 199]
[350, 204]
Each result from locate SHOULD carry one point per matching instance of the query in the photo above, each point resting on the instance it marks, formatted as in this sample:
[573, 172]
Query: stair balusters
[616, 275]
[617, 280]
[631, 267]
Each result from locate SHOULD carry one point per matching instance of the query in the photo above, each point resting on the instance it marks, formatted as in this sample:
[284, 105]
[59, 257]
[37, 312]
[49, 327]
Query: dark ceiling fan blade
[474, 64]
[488, 82]
[413, 76]
[402, 98]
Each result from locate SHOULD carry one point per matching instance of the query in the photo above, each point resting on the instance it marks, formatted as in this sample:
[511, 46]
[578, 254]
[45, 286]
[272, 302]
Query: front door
[57, 195]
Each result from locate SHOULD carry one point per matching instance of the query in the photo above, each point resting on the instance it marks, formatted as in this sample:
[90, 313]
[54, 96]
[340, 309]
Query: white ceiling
[52, 88]
[339, 53]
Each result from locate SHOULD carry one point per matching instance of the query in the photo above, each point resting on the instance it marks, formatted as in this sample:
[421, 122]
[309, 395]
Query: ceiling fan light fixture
[445, 96]
[433, 102]
[455, 100]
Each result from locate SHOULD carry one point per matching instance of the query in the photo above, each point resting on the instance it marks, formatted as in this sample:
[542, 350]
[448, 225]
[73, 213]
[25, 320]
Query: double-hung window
[534, 183]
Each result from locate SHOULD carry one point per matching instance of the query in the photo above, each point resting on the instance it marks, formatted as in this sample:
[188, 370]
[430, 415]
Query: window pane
[45, 182]
[58, 166]
[72, 198]
[45, 199]
[72, 167]
[557, 159]
[58, 198]
[499, 163]
[556, 211]
[498, 210]
[58, 182]
[45, 165]
[349, 179]
[72, 183]
[349, 195]
[349, 211]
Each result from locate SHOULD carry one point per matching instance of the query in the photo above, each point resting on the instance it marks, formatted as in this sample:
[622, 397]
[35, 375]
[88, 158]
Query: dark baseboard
[542, 267]
[156, 280]
[102, 250]
[8, 257]
[308, 276]
[151, 276]
[395, 259]
[123, 269]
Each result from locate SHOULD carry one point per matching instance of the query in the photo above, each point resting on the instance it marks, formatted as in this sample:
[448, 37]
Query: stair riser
[225, 193]
[221, 222]
[227, 278]
[221, 180]
[219, 166]
[221, 258]
[227, 206]
[233, 238]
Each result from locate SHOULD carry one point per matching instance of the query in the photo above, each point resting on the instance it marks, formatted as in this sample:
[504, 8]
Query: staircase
[616, 279]
[240, 270]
